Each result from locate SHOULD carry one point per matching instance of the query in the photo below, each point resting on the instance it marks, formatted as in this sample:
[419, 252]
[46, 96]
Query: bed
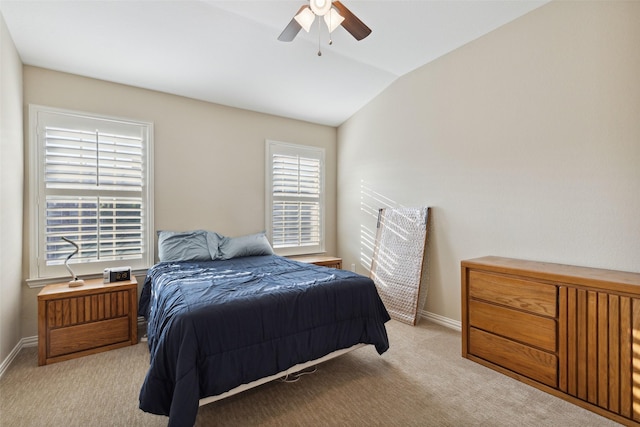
[215, 326]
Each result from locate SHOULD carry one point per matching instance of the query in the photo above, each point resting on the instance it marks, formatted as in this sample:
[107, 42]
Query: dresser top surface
[555, 272]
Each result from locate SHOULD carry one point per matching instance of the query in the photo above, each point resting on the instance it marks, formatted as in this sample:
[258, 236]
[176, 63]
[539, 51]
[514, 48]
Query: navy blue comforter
[215, 325]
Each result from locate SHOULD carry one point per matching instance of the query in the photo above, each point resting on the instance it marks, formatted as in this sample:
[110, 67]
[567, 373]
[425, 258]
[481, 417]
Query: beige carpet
[421, 381]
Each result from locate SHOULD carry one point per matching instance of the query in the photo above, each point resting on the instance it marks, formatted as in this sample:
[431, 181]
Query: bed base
[296, 368]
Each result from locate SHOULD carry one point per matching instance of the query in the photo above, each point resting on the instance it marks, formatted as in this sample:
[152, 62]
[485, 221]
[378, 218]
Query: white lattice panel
[398, 260]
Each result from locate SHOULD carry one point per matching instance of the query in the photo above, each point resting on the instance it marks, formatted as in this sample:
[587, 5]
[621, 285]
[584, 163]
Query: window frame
[39, 273]
[277, 147]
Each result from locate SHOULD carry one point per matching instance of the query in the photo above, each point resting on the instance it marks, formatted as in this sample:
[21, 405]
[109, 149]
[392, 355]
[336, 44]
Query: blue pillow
[183, 246]
[250, 245]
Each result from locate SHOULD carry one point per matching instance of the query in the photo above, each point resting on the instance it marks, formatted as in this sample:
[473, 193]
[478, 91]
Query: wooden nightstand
[323, 260]
[88, 319]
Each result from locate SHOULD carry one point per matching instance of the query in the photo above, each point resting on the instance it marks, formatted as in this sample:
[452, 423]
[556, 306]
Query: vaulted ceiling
[227, 52]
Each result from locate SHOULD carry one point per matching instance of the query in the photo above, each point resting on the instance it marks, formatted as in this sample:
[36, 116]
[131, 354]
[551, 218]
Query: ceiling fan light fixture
[320, 7]
[333, 20]
[335, 14]
[305, 18]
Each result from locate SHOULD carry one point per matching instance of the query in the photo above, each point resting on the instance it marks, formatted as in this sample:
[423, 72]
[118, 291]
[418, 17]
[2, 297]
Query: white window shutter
[295, 198]
[95, 191]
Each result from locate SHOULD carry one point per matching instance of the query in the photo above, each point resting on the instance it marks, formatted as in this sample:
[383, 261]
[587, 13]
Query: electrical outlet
[353, 268]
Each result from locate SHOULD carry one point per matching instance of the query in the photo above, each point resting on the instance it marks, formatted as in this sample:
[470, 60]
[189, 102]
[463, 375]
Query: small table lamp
[75, 281]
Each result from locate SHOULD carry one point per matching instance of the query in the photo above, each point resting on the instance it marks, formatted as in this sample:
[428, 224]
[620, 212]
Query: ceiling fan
[334, 14]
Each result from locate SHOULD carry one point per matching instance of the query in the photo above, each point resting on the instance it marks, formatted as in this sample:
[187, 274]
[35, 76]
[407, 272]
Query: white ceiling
[227, 52]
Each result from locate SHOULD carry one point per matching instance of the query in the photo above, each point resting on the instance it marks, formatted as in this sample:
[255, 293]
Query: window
[90, 182]
[295, 198]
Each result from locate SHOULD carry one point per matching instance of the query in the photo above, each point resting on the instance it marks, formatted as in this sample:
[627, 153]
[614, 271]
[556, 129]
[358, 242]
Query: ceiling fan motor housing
[320, 7]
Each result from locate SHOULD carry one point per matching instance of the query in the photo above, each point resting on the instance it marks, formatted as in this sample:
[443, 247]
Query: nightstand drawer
[529, 329]
[533, 363]
[88, 336]
[535, 297]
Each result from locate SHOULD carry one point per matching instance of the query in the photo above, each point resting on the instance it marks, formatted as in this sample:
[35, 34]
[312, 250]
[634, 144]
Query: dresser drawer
[529, 329]
[530, 362]
[534, 297]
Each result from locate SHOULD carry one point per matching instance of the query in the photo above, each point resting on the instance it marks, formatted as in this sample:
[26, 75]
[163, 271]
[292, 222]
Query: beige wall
[11, 149]
[525, 142]
[209, 159]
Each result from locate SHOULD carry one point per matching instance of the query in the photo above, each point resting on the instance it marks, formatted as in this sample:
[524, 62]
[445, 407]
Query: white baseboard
[23, 343]
[29, 341]
[441, 320]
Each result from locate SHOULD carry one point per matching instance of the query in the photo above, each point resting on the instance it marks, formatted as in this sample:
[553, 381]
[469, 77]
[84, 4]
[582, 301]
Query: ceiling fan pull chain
[330, 26]
[319, 34]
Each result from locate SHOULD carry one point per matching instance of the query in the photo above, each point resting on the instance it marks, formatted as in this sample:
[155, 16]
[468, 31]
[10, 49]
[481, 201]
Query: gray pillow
[250, 245]
[183, 246]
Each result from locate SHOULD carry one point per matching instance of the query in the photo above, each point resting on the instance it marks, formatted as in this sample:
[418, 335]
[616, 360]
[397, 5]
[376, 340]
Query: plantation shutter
[296, 198]
[93, 191]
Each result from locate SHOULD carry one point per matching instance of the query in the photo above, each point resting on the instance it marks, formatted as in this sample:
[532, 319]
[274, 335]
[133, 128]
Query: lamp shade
[305, 18]
[333, 19]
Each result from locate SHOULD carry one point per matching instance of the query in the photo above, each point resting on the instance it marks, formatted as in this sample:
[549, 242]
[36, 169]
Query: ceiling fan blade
[292, 29]
[351, 23]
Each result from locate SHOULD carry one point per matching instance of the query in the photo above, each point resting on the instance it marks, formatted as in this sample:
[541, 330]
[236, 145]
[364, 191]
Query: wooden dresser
[571, 331]
[88, 319]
